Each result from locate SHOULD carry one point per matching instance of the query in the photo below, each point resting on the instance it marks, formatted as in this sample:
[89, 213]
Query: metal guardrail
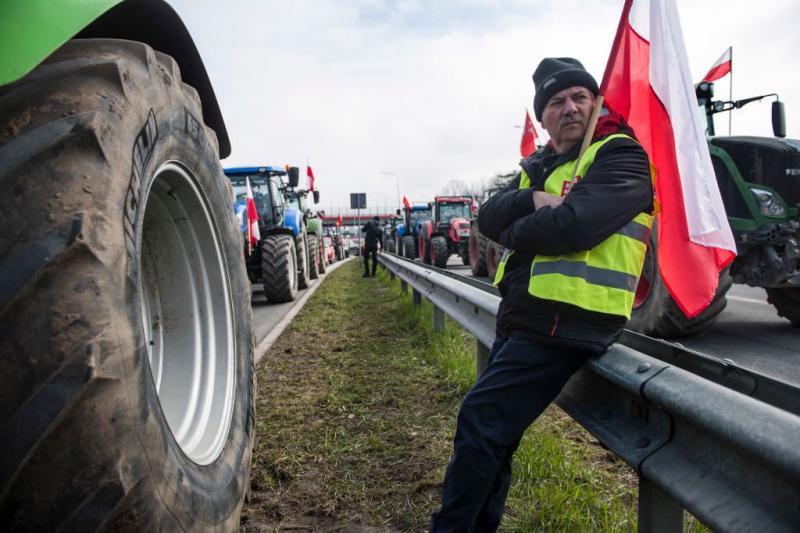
[704, 434]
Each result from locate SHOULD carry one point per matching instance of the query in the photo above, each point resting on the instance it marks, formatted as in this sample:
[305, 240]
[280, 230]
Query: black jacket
[615, 189]
[372, 235]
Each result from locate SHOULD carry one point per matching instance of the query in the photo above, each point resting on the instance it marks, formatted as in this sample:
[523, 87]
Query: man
[577, 231]
[372, 237]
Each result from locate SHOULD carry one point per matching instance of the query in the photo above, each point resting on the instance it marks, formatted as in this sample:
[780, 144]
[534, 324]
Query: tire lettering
[140, 156]
[194, 128]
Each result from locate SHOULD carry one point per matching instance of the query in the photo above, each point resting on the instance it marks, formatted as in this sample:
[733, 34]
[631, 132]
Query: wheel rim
[187, 314]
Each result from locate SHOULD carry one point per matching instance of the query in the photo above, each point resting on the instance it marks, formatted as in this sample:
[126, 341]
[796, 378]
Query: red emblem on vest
[567, 185]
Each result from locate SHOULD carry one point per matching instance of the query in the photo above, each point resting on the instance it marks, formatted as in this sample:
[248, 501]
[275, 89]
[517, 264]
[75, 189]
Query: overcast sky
[433, 91]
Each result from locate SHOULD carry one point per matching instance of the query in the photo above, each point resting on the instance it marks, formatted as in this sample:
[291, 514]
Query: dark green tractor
[759, 180]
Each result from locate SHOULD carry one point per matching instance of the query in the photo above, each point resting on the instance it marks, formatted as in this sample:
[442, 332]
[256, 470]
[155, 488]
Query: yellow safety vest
[602, 279]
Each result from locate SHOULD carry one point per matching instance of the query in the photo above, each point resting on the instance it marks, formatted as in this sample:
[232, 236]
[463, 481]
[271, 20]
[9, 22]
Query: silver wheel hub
[187, 313]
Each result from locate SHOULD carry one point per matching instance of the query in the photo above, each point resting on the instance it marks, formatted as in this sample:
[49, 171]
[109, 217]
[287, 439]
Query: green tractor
[759, 180]
[311, 234]
[126, 381]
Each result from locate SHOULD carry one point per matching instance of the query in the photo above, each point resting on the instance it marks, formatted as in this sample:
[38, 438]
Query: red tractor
[448, 232]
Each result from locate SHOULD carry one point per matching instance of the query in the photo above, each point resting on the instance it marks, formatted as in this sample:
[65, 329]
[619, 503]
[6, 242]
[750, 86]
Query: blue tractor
[408, 231]
[279, 260]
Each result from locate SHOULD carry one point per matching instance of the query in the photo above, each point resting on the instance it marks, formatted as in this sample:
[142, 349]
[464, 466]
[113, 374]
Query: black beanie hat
[555, 74]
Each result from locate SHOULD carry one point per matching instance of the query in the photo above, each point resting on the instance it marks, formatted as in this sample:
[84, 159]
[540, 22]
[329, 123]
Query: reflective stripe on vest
[602, 279]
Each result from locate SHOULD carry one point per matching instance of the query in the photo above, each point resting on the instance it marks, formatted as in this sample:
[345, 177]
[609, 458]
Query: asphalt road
[748, 332]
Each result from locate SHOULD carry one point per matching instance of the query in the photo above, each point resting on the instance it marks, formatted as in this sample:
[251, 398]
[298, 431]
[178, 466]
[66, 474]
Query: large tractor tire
[323, 255]
[126, 377]
[439, 253]
[313, 257]
[409, 247]
[279, 268]
[494, 253]
[303, 271]
[424, 249]
[655, 313]
[390, 248]
[477, 252]
[787, 302]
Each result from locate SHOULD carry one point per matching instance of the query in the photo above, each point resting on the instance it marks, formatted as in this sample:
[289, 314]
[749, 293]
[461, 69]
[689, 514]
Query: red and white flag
[647, 80]
[340, 221]
[310, 174]
[253, 233]
[723, 66]
[527, 144]
[406, 203]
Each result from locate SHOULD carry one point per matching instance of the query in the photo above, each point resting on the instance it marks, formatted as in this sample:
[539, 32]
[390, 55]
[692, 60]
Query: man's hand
[542, 199]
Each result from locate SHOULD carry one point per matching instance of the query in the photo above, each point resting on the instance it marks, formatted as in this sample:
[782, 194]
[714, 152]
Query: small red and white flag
[310, 174]
[406, 203]
[723, 66]
[647, 80]
[527, 144]
[340, 221]
[253, 233]
[474, 204]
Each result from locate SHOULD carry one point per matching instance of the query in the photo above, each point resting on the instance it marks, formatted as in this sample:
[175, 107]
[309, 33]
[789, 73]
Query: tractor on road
[447, 232]
[311, 231]
[408, 230]
[127, 378]
[279, 261]
[759, 180]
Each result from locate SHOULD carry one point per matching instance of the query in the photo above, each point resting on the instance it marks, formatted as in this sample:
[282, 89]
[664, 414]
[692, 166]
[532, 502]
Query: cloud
[433, 90]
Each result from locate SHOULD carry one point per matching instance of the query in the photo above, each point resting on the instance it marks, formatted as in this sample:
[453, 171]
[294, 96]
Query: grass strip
[355, 417]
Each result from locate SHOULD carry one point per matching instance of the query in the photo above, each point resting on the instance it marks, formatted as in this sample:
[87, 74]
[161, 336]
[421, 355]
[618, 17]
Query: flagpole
[587, 137]
[730, 89]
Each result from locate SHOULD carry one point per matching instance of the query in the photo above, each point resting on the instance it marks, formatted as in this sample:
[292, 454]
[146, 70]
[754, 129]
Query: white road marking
[749, 300]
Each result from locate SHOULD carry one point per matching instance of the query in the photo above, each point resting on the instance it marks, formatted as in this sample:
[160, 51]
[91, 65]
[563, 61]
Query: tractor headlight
[767, 203]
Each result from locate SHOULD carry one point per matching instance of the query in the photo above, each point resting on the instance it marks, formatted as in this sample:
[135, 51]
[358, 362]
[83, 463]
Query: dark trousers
[369, 250]
[523, 377]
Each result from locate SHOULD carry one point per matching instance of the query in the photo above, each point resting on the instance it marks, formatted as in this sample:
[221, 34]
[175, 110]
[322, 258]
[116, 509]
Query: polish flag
[253, 234]
[310, 174]
[647, 80]
[527, 144]
[406, 203]
[340, 221]
[723, 66]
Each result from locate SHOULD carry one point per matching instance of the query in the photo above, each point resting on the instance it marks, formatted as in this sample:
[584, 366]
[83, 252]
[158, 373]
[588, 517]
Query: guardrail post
[417, 297]
[482, 357]
[658, 512]
[404, 286]
[391, 275]
[438, 319]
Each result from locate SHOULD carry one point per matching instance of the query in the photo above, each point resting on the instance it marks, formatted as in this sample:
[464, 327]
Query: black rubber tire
[659, 316]
[313, 257]
[323, 255]
[85, 443]
[477, 251]
[424, 251]
[494, 253]
[390, 248]
[786, 301]
[464, 255]
[438, 251]
[303, 274]
[279, 268]
[409, 247]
